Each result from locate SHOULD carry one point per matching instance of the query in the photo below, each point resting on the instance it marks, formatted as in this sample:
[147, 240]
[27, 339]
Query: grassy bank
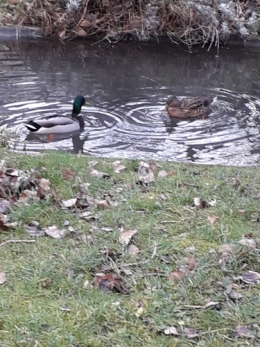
[151, 255]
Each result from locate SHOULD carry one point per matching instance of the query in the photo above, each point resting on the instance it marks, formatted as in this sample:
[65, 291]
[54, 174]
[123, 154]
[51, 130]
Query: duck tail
[32, 126]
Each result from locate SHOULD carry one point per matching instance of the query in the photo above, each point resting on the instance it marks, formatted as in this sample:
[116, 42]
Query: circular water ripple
[229, 135]
[98, 130]
[142, 129]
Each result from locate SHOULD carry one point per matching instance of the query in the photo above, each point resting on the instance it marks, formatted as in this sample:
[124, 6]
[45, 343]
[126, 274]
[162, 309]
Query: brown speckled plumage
[187, 107]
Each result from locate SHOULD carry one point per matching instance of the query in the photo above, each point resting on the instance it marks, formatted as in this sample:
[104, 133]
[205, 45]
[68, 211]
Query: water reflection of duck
[57, 124]
[188, 107]
[78, 139]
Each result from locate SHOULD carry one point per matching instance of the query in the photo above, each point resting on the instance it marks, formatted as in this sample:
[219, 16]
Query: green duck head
[77, 104]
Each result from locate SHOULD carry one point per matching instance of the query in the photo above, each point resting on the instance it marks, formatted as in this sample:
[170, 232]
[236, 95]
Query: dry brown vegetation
[192, 22]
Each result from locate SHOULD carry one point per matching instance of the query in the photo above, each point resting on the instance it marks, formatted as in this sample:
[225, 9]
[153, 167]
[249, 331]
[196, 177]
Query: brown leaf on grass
[250, 277]
[175, 276]
[12, 172]
[190, 333]
[101, 203]
[234, 295]
[149, 178]
[27, 195]
[33, 229]
[139, 306]
[191, 263]
[249, 243]
[242, 331]
[211, 218]
[69, 203]
[43, 188]
[126, 236]
[68, 174]
[133, 250]
[146, 174]
[227, 248]
[139, 312]
[3, 226]
[99, 174]
[171, 331]
[54, 232]
[153, 166]
[200, 203]
[2, 277]
[240, 212]
[109, 283]
[88, 216]
[118, 167]
[163, 173]
[139, 303]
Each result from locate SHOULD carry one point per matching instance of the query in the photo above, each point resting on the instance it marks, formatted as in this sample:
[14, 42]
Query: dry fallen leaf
[99, 174]
[43, 188]
[2, 277]
[242, 331]
[109, 283]
[139, 312]
[145, 172]
[133, 250]
[175, 276]
[250, 277]
[101, 203]
[126, 236]
[170, 331]
[118, 167]
[54, 232]
[234, 295]
[86, 284]
[227, 248]
[191, 263]
[69, 203]
[3, 226]
[250, 243]
[68, 174]
[211, 218]
[33, 229]
[199, 203]
[162, 173]
[190, 333]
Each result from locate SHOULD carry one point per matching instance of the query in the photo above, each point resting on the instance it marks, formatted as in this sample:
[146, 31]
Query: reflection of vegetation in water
[192, 22]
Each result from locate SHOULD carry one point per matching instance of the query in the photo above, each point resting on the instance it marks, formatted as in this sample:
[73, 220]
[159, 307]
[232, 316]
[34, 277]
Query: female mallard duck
[57, 124]
[188, 107]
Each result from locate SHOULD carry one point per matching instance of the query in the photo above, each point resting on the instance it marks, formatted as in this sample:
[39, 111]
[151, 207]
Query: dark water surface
[127, 85]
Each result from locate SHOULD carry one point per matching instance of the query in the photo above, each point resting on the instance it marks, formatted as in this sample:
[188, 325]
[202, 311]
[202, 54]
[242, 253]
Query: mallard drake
[58, 124]
[188, 107]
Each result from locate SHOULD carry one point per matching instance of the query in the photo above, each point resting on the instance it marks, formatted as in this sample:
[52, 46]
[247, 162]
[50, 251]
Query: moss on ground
[46, 301]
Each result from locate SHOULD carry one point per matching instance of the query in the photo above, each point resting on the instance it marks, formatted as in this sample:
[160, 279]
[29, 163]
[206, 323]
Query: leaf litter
[126, 236]
[109, 283]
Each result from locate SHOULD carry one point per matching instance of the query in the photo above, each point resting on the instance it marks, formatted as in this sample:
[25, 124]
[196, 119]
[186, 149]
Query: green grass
[44, 277]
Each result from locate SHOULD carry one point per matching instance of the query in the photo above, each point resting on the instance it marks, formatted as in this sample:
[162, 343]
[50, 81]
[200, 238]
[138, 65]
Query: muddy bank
[205, 22]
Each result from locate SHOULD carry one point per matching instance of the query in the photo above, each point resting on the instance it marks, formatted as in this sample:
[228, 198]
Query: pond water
[127, 85]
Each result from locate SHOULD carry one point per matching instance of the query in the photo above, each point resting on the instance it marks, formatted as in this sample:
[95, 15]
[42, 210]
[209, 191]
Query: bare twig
[16, 241]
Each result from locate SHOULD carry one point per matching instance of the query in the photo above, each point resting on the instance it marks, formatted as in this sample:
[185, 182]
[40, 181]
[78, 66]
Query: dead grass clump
[192, 22]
